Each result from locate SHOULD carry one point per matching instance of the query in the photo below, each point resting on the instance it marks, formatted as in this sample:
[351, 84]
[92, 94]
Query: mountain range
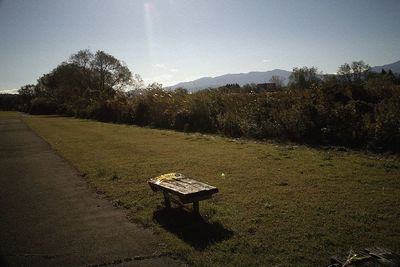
[255, 77]
[395, 67]
[239, 78]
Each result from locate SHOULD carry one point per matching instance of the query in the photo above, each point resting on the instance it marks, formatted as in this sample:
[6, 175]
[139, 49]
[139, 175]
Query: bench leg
[167, 201]
[196, 207]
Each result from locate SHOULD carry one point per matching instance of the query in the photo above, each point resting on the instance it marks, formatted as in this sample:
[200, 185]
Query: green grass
[278, 204]
[9, 115]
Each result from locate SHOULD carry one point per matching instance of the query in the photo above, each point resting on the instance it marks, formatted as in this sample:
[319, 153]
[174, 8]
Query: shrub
[199, 117]
[387, 126]
[9, 101]
[43, 106]
[141, 114]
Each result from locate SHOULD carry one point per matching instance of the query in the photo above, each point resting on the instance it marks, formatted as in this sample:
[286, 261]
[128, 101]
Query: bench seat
[186, 189]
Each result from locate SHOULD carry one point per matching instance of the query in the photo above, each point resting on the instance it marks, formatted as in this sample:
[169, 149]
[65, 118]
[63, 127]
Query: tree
[137, 82]
[154, 86]
[110, 73]
[84, 80]
[27, 92]
[82, 59]
[103, 73]
[390, 75]
[181, 91]
[303, 78]
[10, 102]
[64, 84]
[359, 69]
[344, 72]
[277, 80]
[355, 72]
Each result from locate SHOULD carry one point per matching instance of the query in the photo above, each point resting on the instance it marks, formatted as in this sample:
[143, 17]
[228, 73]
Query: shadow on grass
[191, 228]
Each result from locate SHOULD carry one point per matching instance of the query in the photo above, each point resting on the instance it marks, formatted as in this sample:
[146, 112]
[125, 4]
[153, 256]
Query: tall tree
[303, 78]
[344, 72]
[277, 80]
[84, 80]
[359, 70]
[355, 72]
[110, 73]
[27, 92]
[83, 61]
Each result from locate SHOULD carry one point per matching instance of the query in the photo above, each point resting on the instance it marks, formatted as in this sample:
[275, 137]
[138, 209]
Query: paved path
[49, 216]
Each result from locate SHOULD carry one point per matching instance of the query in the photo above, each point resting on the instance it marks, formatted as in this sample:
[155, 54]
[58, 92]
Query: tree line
[355, 108]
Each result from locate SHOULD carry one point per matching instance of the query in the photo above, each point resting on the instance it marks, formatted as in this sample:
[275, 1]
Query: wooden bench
[185, 189]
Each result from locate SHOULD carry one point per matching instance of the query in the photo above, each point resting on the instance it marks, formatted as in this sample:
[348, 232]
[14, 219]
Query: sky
[170, 41]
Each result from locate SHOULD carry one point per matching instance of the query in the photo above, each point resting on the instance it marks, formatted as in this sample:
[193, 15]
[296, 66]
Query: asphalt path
[49, 216]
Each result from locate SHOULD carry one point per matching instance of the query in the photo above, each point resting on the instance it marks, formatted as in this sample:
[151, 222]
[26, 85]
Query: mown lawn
[278, 205]
[9, 115]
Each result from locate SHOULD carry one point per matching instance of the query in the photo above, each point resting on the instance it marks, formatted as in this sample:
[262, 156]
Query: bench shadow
[191, 228]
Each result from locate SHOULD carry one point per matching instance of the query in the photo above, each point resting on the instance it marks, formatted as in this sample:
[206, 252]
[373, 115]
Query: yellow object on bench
[187, 190]
[169, 176]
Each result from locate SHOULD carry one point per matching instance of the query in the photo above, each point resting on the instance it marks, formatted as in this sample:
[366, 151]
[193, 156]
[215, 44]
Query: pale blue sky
[170, 41]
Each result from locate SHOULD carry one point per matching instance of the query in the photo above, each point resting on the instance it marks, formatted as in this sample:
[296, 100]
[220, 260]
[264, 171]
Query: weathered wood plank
[183, 200]
[185, 187]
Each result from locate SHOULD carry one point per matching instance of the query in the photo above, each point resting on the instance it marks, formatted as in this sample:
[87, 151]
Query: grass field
[278, 205]
[9, 115]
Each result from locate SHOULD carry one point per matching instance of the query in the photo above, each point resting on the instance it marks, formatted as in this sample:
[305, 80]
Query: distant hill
[254, 77]
[239, 78]
[395, 67]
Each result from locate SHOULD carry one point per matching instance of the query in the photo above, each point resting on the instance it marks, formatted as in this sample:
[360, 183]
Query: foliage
[354, 72]
[277, 80]
[304, 78]
[83, 85]
[355, 108]
[43, 106]
[326, 113]
[9, 101]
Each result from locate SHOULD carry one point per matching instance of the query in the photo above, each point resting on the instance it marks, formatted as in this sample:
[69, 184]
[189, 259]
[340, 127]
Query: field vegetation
[355, 108]
[304, 170]
[278, 205]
